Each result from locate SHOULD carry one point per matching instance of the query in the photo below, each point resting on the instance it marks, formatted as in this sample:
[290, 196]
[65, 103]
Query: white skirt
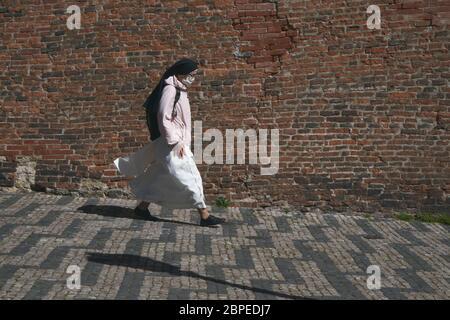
[161, 177]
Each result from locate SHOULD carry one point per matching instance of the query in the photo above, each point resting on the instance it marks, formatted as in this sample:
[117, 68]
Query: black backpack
[152, 122]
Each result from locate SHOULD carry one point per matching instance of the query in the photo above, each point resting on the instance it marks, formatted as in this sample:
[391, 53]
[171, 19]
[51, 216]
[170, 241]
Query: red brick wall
[363, 114]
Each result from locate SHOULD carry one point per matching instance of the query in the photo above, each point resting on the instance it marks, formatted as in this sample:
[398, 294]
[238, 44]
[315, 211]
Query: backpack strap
[177, 97]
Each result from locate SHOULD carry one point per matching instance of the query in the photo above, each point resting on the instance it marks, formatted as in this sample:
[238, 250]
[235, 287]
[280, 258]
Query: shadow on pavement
[123, 212]
[148, 264]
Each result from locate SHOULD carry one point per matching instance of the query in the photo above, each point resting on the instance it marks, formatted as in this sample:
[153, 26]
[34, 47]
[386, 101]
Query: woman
[164, 170]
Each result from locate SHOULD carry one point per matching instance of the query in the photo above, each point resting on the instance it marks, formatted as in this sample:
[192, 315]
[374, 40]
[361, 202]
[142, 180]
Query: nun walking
[164, 170]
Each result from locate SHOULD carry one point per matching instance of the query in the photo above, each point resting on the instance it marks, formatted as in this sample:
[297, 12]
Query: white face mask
[188, 80]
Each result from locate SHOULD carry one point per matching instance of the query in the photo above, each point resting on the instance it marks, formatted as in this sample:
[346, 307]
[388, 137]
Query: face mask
[188, 80]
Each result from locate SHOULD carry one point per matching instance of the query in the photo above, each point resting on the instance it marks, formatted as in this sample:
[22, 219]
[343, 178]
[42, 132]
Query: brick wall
[363, 114]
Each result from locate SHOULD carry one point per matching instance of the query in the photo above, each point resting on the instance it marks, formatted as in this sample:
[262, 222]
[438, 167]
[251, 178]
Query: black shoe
[211, 221]
[144, 214]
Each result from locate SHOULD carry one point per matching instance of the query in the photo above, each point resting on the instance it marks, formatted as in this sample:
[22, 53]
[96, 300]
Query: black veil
[183, 66]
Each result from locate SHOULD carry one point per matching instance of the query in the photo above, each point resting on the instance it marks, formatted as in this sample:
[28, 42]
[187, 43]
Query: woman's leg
[207, 219]
[204, 214]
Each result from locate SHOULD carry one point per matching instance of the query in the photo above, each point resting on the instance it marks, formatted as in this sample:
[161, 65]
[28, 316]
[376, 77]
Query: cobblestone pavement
[266, 254]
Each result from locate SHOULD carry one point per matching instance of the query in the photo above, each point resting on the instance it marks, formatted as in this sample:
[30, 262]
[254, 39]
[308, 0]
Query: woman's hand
[181, 152]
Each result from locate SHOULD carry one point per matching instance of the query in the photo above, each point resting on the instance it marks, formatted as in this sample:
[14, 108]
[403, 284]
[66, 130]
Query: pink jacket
[178, 129]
